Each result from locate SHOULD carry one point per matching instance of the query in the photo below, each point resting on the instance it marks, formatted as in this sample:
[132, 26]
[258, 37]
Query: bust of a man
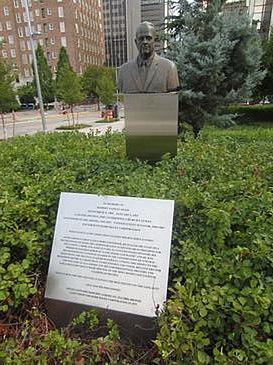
[148, 73]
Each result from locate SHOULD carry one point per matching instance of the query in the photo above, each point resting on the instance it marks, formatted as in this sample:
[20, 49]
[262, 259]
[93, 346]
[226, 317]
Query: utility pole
[35, 66]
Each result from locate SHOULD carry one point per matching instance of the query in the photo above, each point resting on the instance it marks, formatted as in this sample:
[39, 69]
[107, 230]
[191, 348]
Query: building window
[13, 53]
[8, 25]
[63, 41]
[6, 10]
[43, 12]
[27, 31]
[37, 12]
[39, 27]
[52, 40]
[22, 45]
[20, 32]
[41, 42]
[11, 39]
[77, 28]
[18, 18]
[25, 17]
[62, 27]
[61, 12]
[28, 45]
[45, 27]
[50, 26]
[49, 11]
[26, 72]
[24, 59]
[16, 3]
[54, 55]
[4, 53]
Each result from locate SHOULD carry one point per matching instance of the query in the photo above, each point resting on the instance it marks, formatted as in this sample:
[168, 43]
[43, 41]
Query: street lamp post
[117, 93]
[35, 66]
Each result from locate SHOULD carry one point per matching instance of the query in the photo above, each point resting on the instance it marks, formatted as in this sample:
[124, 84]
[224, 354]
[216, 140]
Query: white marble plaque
[111, 252]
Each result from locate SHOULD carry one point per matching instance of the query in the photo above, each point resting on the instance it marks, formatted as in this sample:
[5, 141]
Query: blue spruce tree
[218, 57]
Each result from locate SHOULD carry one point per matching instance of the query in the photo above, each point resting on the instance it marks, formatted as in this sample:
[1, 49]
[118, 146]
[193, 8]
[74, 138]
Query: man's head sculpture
[145, 39]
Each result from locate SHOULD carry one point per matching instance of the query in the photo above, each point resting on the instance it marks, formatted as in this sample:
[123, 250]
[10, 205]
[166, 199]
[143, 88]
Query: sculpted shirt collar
[142, 62]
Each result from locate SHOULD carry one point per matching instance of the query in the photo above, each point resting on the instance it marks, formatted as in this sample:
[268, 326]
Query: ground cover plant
[219, 308]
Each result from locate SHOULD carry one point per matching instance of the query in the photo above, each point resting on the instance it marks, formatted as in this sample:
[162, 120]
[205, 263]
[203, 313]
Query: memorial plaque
[151, 125]
[111, 252]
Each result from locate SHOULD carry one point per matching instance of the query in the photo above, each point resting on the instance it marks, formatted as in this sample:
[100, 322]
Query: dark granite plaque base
[151, 125]
[150, 148]
[133, 329]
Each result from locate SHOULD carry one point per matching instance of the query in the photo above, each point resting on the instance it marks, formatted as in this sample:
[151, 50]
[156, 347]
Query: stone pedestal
[151, 125]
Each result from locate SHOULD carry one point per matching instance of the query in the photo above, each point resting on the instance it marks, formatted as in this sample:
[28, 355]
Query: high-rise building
[259, 11]
[121, 18]
[154, 11]
[75, 24]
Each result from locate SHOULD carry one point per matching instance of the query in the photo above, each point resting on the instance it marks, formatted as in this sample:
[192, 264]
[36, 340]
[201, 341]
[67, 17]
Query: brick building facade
[74, 24]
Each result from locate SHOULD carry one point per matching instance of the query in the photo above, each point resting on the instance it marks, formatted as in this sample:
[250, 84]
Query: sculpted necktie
[143, 69]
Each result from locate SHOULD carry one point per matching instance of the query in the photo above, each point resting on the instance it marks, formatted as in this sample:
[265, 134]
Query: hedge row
[251, 114]
[221, 288]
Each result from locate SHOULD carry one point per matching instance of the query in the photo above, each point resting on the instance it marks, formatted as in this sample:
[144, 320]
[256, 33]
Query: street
[29, 122]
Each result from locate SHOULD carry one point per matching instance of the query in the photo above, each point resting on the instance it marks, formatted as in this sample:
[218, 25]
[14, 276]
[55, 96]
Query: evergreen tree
[266, 87]
[69, 88]
[45, 76]
[63, 61]
[7, 95]
[218, 57]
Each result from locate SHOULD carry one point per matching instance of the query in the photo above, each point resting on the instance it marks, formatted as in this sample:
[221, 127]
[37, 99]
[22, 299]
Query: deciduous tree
[105, 89]
[92, 78]
[69, 88]
[7, 95]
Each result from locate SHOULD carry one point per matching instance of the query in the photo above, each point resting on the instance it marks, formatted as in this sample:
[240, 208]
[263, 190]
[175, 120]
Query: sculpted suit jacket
[161, 77]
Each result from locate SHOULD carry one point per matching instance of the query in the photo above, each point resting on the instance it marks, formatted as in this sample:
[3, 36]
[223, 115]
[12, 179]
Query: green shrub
[221, 287]
[251, 114]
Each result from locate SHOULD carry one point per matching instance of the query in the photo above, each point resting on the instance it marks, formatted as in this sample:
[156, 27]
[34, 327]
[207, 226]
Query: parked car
[25, 106]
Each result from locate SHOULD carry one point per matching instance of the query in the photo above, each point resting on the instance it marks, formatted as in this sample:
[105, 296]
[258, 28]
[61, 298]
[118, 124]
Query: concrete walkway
[29, 122]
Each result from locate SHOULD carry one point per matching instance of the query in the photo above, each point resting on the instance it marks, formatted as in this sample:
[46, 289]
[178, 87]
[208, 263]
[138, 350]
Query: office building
[259, 11]
[76, 25]
[121, 18]
[154, 11]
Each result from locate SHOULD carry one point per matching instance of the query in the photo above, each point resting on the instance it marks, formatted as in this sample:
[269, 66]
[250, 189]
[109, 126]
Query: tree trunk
[72, 113]
[13, 123]
[4, 126]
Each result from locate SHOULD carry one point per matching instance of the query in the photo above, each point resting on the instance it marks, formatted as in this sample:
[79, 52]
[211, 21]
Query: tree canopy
[45, 76]
[69, 88]
[7, 94]
[63, 62]
[105, 89]
[92, 77]
[266, 87]
[218, 56]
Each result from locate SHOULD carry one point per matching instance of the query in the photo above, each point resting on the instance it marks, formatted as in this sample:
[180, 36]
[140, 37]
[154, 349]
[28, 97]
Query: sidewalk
[29, 122]
[102, 128]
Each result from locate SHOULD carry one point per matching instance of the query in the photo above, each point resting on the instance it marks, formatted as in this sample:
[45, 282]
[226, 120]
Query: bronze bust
[148, 73]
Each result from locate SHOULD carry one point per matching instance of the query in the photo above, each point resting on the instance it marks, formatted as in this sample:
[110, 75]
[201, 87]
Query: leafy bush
[221, 287]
